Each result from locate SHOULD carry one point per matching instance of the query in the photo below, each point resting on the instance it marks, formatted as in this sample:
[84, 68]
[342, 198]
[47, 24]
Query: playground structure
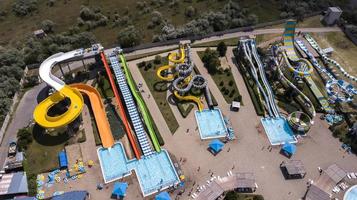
[180, 73]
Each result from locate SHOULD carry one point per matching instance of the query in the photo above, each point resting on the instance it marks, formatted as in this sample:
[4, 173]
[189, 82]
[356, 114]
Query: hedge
[184, 112]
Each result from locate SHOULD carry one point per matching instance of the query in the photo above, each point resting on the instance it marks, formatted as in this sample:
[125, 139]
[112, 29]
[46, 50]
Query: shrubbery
[91, 18]
[129, 37]
[24, 138]
[211, 60]
[24, 7]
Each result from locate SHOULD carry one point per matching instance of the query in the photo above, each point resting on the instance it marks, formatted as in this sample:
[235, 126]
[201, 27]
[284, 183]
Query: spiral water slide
[250, 52]
[63, 91]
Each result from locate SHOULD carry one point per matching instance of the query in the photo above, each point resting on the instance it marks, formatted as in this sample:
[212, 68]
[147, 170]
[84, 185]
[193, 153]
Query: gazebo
[119, 190]
[215, 146]
[288, 149]
[163, 196]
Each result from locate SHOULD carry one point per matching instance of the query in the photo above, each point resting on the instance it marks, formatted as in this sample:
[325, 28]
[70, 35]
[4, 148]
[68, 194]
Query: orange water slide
[121, 107]
[99, 113]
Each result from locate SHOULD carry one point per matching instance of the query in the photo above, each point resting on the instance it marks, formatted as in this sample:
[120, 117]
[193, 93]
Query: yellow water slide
[63, 91]
[169, 77]
[197, 100]
[175, 58]
[99, 113]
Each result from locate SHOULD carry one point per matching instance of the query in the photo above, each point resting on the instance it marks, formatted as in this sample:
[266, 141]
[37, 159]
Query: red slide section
[121, 107]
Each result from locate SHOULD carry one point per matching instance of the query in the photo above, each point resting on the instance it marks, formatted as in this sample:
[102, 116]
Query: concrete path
[88, 147]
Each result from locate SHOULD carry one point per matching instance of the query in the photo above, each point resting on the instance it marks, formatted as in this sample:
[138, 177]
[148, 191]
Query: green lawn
[158, 89]
[104, 88]
[225, 82]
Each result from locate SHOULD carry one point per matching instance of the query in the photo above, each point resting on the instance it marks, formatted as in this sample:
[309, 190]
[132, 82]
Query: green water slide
[143, 109]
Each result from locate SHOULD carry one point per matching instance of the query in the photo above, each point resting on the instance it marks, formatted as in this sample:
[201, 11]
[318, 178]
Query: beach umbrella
[119, 189]
[216, 145]
[163, 196]
[289, 148]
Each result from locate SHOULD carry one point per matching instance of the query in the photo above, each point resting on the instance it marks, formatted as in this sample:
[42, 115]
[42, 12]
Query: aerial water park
[138, 125]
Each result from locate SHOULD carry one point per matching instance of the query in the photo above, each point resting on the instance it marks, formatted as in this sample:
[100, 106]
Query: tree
[231, 196]
[24, 138]
[222, 49]
[24, 7]
[190, 11]
[211, 60]
[157, 59]
[47, 26]
[129, 37]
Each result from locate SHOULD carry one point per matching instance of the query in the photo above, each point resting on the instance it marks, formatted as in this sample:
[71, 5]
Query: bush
[129, 37]
[142, 64]
[230, 83]
[51, 3]
[238, 98]
[30, 81]
[47, 26]
[157, 60]
[221, 83]
[223, 89]
[226, 92]
[24, 138]
[190, 11]
[24, 7]
[222, 48]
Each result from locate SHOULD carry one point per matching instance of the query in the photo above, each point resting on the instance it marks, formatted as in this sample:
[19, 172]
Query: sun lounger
[348, 176]
[353, 175]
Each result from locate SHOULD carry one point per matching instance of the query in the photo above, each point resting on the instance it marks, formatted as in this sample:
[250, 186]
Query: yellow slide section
[173, 56]
[99, 113]
[190, 98]
[73, 111]
[169, 77]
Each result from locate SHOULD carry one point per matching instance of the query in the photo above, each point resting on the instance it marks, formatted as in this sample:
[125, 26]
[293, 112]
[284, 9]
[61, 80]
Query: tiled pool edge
[130, 170]
[280, 143]
[212, 137]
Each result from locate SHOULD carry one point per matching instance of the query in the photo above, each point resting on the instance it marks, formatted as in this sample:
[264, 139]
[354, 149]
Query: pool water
[351, 193]
[155, 172]
[211, 124]
[278, 131]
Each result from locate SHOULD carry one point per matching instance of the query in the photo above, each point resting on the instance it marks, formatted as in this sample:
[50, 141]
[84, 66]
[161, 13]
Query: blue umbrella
[163, 196]
[216, 145]
[119, 189]
[289, 148]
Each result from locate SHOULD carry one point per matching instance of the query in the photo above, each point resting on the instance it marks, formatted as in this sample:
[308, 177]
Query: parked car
[12, 149]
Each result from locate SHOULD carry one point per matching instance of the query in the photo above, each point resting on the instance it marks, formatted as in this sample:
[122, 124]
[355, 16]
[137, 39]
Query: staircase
[131, 107]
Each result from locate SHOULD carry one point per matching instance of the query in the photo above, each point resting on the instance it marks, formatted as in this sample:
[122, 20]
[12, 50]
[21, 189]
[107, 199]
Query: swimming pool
[155, 172]
[351, 193]
[211, 124]
[278, 131]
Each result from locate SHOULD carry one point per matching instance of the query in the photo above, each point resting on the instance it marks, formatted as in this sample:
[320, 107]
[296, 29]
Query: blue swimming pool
[278, 131]
[351, 193]
[155, 172]
[211, 124]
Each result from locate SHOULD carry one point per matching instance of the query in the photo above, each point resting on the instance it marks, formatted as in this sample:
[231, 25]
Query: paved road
[21, 118]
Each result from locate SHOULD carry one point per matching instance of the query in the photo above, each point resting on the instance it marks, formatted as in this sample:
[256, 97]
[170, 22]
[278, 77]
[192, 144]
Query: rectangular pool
[155, 172]
[278, 131]
[211, 123]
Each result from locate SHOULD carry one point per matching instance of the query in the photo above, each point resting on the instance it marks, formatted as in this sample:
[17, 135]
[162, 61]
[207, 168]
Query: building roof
[14, 183]
[73, 195]
[294, 167]
[336, 173]
[211, 192]
[315, 193]
[335, 9]
[235, 104]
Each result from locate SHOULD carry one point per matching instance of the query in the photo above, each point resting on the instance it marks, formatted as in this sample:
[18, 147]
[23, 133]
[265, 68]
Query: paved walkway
[88, 148]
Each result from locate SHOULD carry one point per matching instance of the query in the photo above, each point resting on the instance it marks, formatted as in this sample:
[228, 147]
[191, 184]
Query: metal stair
[131, 107]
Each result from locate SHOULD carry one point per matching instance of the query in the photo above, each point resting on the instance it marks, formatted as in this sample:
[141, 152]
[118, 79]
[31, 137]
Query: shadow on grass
[41, 137]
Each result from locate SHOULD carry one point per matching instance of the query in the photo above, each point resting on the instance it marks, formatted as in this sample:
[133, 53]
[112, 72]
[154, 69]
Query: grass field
[64, 14]
[345, 52]
[225, 82]
[158, 89]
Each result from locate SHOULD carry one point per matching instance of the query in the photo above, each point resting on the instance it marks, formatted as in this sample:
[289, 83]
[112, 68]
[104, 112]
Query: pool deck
[249, 152]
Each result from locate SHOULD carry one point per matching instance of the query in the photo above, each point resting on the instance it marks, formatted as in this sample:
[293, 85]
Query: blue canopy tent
[62, 159]
[289, 149]
[119, 189]
[216, 146]
[163, 196]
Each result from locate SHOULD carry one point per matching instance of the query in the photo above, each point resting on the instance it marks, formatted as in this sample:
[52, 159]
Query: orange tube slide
[99, 113]
[121, 107]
